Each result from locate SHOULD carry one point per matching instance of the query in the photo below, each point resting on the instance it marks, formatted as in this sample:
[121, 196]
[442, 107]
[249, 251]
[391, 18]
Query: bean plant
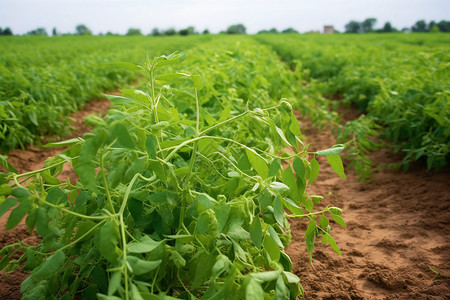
[169, 204]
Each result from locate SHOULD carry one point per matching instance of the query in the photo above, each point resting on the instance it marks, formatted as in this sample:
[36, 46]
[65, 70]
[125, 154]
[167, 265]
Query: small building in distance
[328, 29]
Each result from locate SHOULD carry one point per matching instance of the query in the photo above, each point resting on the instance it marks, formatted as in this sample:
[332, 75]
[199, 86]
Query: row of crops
[181, 190]
[400, 82]
[43, 80]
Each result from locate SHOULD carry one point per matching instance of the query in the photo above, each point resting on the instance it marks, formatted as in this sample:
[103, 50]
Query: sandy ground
[397, 226]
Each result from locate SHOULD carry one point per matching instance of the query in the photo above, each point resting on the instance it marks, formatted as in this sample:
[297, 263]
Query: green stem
[74, 213]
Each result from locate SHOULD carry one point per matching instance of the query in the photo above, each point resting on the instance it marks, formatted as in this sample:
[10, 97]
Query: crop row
[42, 80]
[181, 191]
[400, 82]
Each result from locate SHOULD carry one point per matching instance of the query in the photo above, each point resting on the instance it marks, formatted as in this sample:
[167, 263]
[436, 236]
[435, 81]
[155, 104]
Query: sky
[117, 16]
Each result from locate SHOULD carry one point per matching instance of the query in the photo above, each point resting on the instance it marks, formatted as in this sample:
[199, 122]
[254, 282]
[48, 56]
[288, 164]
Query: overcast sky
[303, 15]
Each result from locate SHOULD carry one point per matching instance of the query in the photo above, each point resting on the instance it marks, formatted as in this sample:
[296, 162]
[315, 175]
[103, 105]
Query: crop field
[271, 166]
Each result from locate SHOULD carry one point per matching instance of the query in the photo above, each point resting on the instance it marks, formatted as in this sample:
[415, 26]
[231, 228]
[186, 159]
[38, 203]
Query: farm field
[197, 170]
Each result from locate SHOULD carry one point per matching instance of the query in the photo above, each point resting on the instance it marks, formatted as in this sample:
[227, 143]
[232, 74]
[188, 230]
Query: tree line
[368, 25]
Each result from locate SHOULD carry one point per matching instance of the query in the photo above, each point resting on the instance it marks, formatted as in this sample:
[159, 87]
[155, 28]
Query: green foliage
[400, 82]
[43, 80]
[181, 194]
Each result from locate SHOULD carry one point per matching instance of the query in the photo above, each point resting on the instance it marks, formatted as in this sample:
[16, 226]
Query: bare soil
[397, 226]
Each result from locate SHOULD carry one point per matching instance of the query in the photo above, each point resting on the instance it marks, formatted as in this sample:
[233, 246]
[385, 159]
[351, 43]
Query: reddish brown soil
[397, 226]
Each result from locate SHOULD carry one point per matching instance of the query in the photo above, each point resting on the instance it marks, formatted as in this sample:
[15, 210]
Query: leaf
[151, 144]
[336, 149]
[108, 236]
[336, 164]
[291, 278]
[119, 99]
[114, 282]
[271, 248]
[50, 266]
[141, 266]
[279, 187]
[314, 173]
[324, 221]
[258, 163]
[145, 245]
[274, 236]
[33, 118]
[253, 290]
[56, 196]
[338, 220]
[6, 205]
[274, 167]
[207, 146]
[120, 131]
[266, 276]
[281, 134]
[197, 80]
[6, 164]
[280, 290]
[69, 142]
[19, 212]
[256, 232]
[278, 211]
[327, 238]
[310, 236]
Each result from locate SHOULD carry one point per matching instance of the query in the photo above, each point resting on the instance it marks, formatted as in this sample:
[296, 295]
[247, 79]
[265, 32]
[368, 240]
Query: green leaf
[314, 171]
[107, 240]
[19, 212]
[198, 82]
[114, 282]
[291, 278]
[120, 131]
[56, 196]
[338, 220]
[324, 221]
[274, 236]
[146, 244]
[6, 164]
[256, 232]
[6, 205]
[327, 238]
[207, 146]
[310, 235]
[336, 149]
[266, 276]
[280, 290]
[253, 289]
[278, 211]
[151, 144]
[274, 167]
[69, 142]
[50, 267]
[279, 187]
[141, 266]
[336, 164]
[119, 99]
[33, 118]
[271, 248]
[258, 163]
[281, 134]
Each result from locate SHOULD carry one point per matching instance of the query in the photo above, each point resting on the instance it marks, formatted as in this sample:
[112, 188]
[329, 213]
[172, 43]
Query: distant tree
[434, 29]
[236, 29]
[444, 26]
[289, 30]
[264, 31]
[134, 31]
[368, 24]
[206, 31]
[388, 27]
[187, 31]
[431, 25]
[155, 32]
[54, 32]
[82, 29]
[420, 26]
[170, 31]
[353, 27]
[38, 31]
[6, 31]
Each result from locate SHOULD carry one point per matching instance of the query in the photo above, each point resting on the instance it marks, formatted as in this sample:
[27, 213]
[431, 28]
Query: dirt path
[397, 226]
